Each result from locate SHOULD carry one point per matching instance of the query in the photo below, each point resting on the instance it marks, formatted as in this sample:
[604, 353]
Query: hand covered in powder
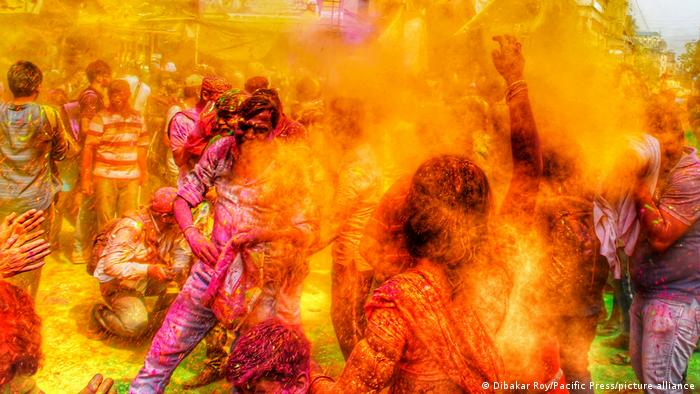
[203, 248]
[508, 59]
[14, 227]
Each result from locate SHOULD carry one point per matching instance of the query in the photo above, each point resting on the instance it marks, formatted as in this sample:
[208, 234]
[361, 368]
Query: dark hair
[24, 78]
[557, 167]
[663, 116]
[20, 334]
[255, 104]
[272, 95]
[448, 206]
[119, 85]
[97, 68]
[348, 116]
[255, 83]
[308, 88]
[191, 91]
[270, 350]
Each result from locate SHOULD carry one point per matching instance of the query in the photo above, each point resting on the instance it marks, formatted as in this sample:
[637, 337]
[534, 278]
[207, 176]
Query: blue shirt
[32, 138]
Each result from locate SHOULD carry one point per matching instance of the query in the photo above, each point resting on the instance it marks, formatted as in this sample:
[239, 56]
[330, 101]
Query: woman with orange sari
[431, 328]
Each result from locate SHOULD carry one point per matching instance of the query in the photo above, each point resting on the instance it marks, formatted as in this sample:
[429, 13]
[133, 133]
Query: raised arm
[525, 143]
[92, 139]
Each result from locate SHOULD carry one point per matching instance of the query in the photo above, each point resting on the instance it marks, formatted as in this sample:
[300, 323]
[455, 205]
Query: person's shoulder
[88, 95]
[688, 169]
[398, 284]
[128, 227]
[49, 110]
[189, 114]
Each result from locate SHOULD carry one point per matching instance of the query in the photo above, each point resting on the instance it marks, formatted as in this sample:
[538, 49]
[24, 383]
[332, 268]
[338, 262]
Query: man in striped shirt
[114, 158]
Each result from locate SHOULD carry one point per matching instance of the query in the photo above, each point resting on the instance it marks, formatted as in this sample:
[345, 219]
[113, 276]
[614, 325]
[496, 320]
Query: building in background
[609, 23]
[653, 57]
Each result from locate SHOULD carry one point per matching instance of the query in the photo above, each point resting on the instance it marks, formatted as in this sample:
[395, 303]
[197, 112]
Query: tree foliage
[690, 59]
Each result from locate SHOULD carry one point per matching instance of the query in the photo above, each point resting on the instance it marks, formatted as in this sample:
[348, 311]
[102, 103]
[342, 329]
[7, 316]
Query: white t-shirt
[139, 92]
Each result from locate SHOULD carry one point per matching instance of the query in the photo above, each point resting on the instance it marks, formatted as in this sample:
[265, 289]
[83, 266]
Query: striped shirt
[31, 139]
[117, 140]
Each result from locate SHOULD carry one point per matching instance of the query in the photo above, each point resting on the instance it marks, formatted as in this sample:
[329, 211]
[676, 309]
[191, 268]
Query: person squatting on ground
[665, 268]
[32, 140]
[136, 256]
[254, 265]
[114, 157]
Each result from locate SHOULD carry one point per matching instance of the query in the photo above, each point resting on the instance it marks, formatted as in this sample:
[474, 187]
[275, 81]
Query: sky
[678, 21]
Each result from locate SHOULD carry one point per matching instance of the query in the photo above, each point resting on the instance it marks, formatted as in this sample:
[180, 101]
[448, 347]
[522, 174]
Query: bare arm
[143, 167]
[183, 214]
[86, 169]
[177, 140]
[92, 139]
[62, 144]
[662, 229]
[525, 143]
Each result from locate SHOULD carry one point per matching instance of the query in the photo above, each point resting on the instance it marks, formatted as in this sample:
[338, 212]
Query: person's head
[119, 93]
[20, 334]
[213, 87]
[99, 73]
[163, 205]
[308, 89]
[227, 111]
[272, 95]
[346, 119]
[24, 79]
[663, 121]
[259, 117]
[255, 83]
[193, 86]
[271, 358]
[56, 97]
[448, 207]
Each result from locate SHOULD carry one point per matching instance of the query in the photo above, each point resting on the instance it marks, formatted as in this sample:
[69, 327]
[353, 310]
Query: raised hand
[16, 230]
[7, 227]
[508, 58]
[26, 257]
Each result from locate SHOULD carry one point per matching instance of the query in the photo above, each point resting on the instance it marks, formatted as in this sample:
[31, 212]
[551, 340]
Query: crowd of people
[215, 200]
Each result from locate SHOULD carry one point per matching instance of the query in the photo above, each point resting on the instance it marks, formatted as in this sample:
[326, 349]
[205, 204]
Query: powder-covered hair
[24, 78]
[269, 350]
[20, 334]
[448, 206]
[256, 104]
